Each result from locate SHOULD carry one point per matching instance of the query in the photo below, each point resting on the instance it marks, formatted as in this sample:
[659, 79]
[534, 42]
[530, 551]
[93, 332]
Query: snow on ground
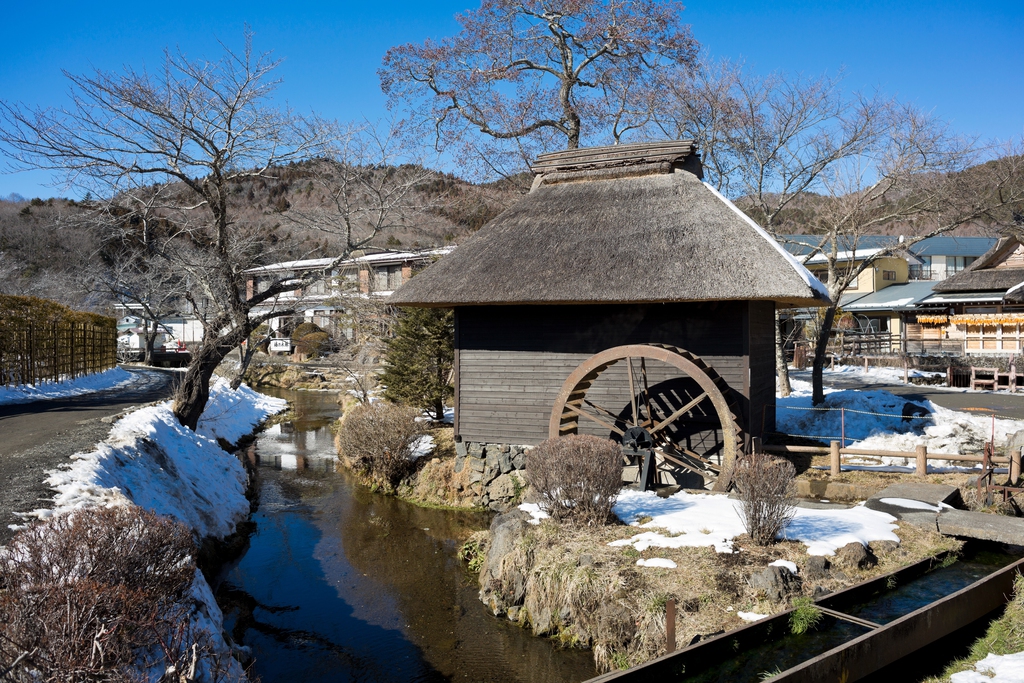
[109, 379]
[791, 566]
[656, 562]
[751, 616]
[152, 461]
[700, 520]
[994, 669]
[874, 420]
[535, 512]
[422, 445]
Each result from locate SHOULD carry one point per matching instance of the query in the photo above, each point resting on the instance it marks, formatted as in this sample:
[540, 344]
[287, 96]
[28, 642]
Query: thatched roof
[991, 272]
[624, 224]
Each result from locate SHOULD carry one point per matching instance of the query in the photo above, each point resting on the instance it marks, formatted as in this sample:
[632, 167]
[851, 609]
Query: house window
[889, 275]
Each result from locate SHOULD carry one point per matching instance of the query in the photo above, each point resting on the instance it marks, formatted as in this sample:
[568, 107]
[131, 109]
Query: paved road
[1002, 403]
[39, 436]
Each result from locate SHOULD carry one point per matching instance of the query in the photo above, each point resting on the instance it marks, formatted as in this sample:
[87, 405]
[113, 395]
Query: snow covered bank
[874, 419]
[701, 520]
[109, 379]
[151, 461]
[994, 669]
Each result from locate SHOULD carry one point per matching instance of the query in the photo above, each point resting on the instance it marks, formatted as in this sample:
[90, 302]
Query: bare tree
[800, 155]
[537, 74]
[770, 139]
[188, 135]
[921, 177]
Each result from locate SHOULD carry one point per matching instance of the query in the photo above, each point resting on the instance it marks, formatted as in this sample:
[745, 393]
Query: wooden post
[922, 460]
[1014, 466]
[865, 363]
[949, 374]
[670, 625]
[834, 460]
[906, 372]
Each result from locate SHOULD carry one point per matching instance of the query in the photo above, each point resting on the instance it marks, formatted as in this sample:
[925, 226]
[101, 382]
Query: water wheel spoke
[679, 413]
[593, 418]
[602, 410]
[682, 461]
[632, 391]
[647, 392]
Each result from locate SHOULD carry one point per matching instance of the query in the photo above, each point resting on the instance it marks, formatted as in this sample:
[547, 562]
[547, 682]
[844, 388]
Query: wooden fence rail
[32, 352]
[921, 456]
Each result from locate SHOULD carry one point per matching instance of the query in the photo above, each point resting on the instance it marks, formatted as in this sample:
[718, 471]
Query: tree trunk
[820, 349]
[191, 395]
[781, 366]
[150, 342]
[243, 367]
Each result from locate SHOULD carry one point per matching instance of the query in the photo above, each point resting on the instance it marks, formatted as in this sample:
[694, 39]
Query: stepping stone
[905, 499]
[982, 526]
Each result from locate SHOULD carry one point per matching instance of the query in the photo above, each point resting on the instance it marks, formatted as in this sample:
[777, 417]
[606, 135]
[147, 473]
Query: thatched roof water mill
[621, 297]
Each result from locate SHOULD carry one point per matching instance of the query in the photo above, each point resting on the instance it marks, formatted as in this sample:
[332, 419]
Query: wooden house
[622, 292]
[981, 309]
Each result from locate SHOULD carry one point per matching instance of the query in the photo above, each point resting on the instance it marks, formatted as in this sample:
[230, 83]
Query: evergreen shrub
[578, 477]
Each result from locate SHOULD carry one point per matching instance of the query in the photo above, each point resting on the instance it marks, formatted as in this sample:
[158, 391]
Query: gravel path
[39, 436]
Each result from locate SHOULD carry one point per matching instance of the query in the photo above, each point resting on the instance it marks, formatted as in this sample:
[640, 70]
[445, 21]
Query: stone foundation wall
[496, 472]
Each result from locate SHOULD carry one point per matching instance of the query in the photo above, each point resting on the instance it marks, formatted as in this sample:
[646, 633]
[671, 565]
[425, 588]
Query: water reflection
[341, 584]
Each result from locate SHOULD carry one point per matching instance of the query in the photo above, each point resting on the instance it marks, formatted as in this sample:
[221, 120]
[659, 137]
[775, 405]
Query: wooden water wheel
[653, 396]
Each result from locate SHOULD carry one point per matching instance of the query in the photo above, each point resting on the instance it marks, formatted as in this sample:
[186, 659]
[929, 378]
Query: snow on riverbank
[994, 669]
[109, 379]
[151, 461]
[701, 520]
[874, 419]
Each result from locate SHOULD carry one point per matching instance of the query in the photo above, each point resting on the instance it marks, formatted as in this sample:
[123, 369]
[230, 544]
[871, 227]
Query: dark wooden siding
[762, 367]
[514, 359]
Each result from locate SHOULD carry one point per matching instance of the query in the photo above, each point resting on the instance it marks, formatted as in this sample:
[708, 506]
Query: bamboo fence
[43, 341]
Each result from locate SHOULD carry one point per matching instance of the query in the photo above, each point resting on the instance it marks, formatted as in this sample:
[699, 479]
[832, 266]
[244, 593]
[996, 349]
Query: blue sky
[962, 61]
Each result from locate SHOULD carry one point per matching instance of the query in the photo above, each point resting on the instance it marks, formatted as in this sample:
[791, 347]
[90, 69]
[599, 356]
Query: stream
[342, 584]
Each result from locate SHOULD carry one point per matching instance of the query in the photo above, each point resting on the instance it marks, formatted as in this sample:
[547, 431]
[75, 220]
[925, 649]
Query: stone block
[505, 461]
[491, 460]
[817, 567]
[475, 449]
[982, 526]
[460, 462]
[460, 449]
[913, 498]
[855, 555]
[476, 464]
[518, 459]
[775, 582]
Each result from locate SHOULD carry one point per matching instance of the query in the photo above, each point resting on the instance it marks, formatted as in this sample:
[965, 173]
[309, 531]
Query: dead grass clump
[375, 440]
[766, 495]
[98, 594]
[437, 484]
[578, 477]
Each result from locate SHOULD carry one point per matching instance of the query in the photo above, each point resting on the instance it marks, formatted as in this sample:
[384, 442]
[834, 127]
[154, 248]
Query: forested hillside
[60, 249]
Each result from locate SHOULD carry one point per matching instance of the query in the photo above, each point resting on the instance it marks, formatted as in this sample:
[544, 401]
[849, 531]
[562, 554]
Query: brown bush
[99, 595]
[376, 439]
[577, 476]
[766, 495]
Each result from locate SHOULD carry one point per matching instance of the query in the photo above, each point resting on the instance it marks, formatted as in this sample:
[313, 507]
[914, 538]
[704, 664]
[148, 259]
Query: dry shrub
[766, 495]
[375, 438]
[99, 595]
[577, 476]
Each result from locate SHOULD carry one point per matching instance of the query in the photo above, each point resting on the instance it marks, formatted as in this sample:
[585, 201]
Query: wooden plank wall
[762, 367]
[514, 359]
